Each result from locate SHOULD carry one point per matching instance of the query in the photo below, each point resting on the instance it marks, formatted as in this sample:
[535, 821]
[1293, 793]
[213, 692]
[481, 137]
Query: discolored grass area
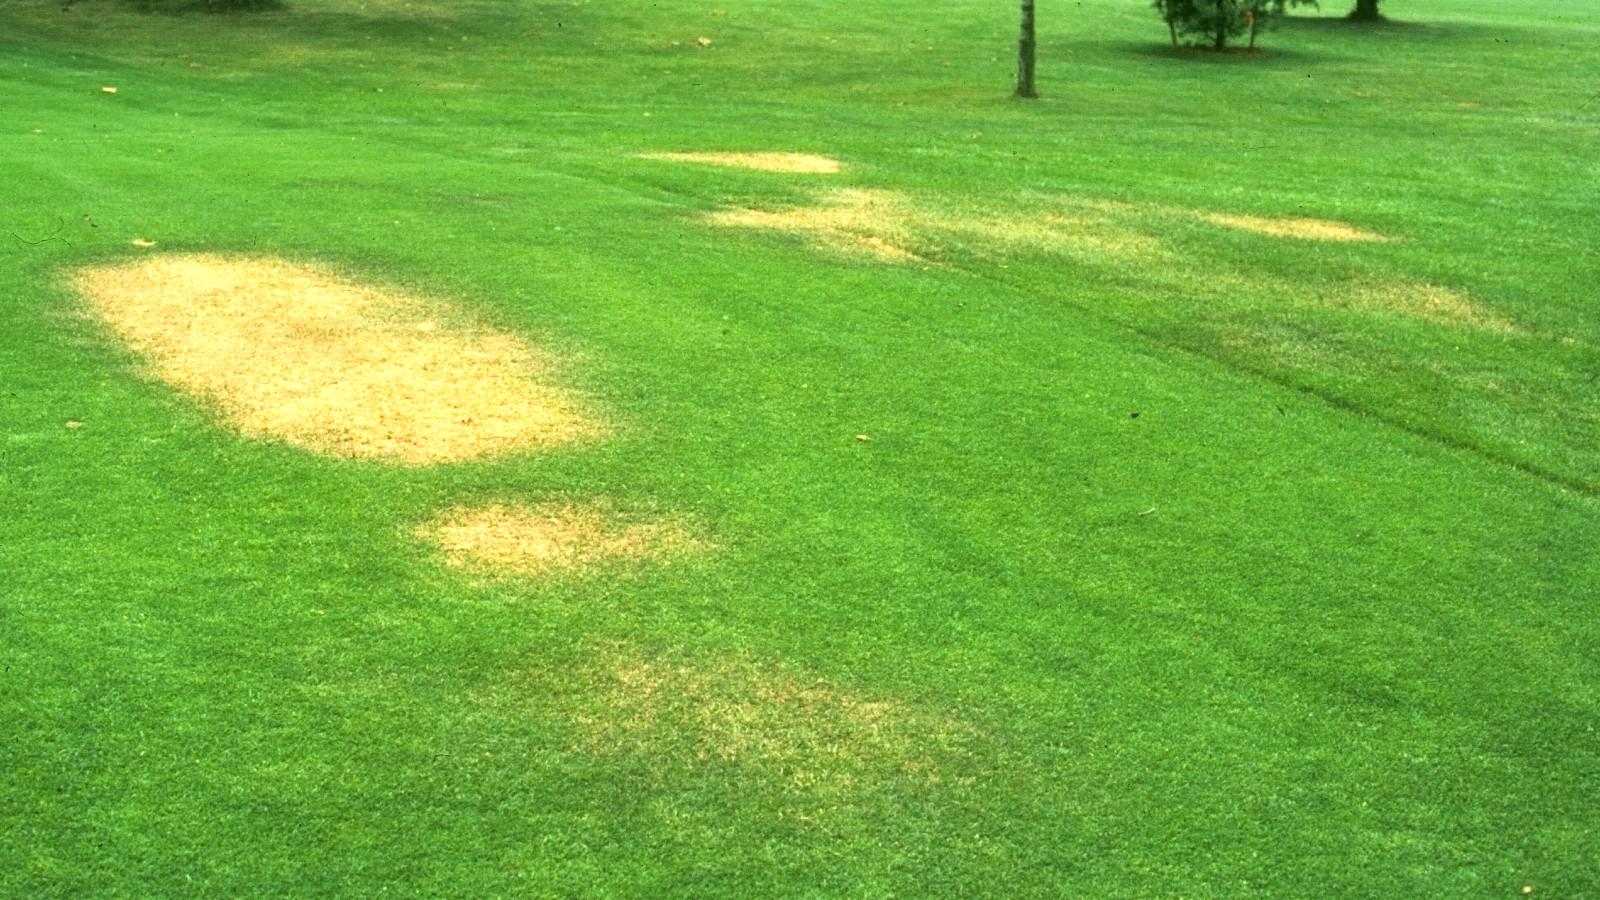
[1306, 229]
[894, 227]
[551, 538]
[1432, 303]
[772, 725]
[766, 161]
[870, 223]
[1067, 540]
[288, 352]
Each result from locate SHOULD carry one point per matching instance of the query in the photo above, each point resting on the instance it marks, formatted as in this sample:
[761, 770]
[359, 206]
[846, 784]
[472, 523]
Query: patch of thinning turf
[290, 352]
[511, 539]
[1434, 303]
[893, 227]
[1300, 228]
[767, 161]
[854, 221]
[1082, 233]
[814, 739]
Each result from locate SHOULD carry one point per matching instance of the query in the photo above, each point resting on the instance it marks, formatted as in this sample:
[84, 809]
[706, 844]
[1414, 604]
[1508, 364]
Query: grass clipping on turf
[554, 537]
[290, 352]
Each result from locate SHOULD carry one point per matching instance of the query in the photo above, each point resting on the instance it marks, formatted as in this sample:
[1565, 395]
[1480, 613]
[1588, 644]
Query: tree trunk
[1172, 28]
[1365, 11]
[1250, 16]
[1025, 53]
[1222, 38]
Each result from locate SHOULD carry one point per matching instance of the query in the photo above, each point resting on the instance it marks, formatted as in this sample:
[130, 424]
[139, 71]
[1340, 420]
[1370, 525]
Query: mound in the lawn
[1300, 228]
[552, 537]
[793, 163]
[290, 352]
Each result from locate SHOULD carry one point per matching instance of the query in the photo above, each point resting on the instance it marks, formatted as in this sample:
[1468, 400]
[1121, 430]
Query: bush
[1215, 21]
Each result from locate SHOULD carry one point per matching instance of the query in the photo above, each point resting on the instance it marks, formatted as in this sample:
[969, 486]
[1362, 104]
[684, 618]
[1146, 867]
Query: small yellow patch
[893, 227]
[1086, 234]
[1435, 303]
[550, 538]
[784, 724]
[293, 353]
[792, 163]
[864, 222]
[1301, 228]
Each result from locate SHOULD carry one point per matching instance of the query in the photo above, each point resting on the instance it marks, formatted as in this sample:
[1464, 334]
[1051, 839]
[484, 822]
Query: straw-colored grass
[291, 352]
[512, 539]
[767, 161]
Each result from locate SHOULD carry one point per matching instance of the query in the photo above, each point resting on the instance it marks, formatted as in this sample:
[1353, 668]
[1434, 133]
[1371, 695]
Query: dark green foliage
[1366, 11]
[1213, 22]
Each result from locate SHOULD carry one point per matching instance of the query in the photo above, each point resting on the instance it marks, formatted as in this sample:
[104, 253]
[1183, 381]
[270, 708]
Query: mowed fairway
[1186, 484]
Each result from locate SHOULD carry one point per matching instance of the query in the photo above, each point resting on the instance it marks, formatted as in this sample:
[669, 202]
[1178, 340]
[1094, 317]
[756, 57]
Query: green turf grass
[1318, 620]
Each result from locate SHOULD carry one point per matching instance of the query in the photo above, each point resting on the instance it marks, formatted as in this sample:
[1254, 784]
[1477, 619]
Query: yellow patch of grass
[807, 733]
[1300, 228]
[1435, 303]
[871, 222]
[791, 163]
[548, 538]
[1057, 232]
[290, 352]
[892, 227]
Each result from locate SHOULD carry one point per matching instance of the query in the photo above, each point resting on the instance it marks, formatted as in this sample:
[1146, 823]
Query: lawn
[1048, 528]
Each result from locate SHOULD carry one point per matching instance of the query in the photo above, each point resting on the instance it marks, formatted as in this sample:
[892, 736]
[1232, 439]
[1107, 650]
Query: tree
[1025, 53]
[1215, 21]
[1366, 11]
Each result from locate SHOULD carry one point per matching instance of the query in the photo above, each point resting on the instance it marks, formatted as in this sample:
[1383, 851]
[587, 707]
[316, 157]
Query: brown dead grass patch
[293, 353]
[550, 538]
[1435, 303]
[791, 163]
[858, 221]
[1301, 228]
[785, 724]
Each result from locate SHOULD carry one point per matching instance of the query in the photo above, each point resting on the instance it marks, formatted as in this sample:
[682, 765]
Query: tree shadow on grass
[1268, 57]
[1343, 24]
[214, 7]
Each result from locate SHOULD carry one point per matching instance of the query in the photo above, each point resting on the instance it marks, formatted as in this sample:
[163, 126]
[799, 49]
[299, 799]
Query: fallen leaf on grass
[141, 242]
[108, 89]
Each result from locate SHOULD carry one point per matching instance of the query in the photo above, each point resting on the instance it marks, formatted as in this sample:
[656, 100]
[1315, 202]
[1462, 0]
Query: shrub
[1215, 21]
